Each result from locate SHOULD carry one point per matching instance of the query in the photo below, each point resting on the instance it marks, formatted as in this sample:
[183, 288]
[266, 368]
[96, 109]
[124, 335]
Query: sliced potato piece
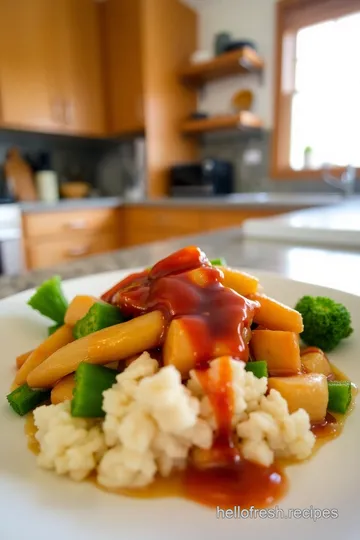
[108, 345]
[276, 316]
[63, 390]
[78, 308]
[178, 349]
[308, 391]
[56, 341]
[240, 282]
[279, 349]
[315, 361]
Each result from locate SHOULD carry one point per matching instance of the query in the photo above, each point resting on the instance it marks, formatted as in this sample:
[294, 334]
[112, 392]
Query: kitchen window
[317, 104]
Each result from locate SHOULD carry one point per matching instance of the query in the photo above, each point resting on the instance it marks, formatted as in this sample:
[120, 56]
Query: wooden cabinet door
[30, 93]
[122, 34]
[84, 108]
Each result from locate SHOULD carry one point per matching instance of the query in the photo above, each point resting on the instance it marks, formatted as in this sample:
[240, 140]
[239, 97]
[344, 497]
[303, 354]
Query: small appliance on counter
[207, 178]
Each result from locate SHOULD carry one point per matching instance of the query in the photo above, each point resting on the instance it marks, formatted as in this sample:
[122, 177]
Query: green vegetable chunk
[49, 300]
[99, 316]
[24, 399]
[53, 329]
[326, 322]
[90, 382]
[218, 262]
[339, 396]
[258, 368]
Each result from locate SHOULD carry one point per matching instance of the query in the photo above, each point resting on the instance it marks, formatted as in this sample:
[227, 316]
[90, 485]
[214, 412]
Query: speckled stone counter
[280, 201]
[333, 268]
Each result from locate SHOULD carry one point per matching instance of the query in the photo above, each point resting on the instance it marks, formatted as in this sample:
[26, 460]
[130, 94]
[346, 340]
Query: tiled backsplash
[108, 164]
[69, 155]
[255, 177]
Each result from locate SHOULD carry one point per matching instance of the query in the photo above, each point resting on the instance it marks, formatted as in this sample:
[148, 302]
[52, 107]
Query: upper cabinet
[122, 27]
[50, 66]
[28, 78]
[146, 44]
[84, 98]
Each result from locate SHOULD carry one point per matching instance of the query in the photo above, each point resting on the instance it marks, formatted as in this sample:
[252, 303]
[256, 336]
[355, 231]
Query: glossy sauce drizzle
[186, 287]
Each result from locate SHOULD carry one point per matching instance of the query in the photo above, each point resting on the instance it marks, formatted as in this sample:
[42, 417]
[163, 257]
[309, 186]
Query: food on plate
[56, 341]
[63, 390]
[25, 399]
[21, 359]
[279, 349]
[339, 396]
[274, 315]
[50, 301]
[308, 391]
[183, 372]
[99, 316]
[314, 360]
[326, 322]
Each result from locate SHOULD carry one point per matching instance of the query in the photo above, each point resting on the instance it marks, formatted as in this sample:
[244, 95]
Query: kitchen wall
[253, 20]
[244, 19]
[99, 162]
[250, 175]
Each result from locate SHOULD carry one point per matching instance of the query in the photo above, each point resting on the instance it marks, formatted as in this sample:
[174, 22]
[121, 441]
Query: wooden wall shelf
[244, 60]
[243, 120]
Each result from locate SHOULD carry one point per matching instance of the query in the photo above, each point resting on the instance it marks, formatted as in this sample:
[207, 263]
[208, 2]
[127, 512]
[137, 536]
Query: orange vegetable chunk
[279, 349]
[276, 316]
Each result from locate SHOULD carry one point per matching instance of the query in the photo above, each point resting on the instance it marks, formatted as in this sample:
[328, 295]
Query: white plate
[35, 504]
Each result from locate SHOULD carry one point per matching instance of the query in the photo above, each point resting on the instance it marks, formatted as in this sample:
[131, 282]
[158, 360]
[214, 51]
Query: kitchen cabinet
[146, 42]
[144, 224]
[50, 66]
[60, 237]
[83, 94]
[28, 81]
[148, 224]
[122, 39]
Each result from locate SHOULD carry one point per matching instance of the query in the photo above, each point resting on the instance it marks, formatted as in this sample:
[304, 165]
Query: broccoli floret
[326, 322]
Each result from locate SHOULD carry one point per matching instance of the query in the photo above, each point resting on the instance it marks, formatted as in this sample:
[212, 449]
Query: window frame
[280, 151]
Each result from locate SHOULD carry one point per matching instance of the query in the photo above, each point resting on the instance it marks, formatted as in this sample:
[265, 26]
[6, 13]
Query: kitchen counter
[329, 267]
[236, 200]
[71, 204]
[335, 225]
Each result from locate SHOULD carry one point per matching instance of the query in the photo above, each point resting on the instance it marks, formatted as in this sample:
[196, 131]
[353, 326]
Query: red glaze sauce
[186, 286]
[221, 395]
[330, 428]
[245, 485]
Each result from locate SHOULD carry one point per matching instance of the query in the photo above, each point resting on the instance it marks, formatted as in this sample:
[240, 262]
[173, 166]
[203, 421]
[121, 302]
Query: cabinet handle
[76, 224]
[68, 113]
[78, 252]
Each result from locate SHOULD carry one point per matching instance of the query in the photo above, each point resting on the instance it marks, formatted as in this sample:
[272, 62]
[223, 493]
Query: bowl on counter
[75, 190]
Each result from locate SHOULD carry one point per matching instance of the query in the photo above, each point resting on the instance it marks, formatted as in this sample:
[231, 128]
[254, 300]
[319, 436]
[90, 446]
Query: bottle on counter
[46, 180]
[308, 157]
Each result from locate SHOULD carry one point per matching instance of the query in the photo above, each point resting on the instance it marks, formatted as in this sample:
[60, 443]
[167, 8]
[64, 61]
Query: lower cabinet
[144, 224]
[58, 237]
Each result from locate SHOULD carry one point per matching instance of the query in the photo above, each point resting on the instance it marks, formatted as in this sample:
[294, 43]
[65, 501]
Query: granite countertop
[236, 200]
[329, 267]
